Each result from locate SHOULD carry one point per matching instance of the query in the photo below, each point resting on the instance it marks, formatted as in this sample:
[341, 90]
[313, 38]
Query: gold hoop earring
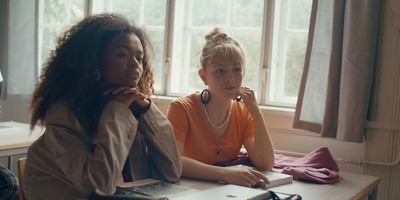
[97, 74]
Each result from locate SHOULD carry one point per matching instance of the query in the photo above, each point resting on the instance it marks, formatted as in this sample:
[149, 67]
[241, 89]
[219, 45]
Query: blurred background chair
[21, 169]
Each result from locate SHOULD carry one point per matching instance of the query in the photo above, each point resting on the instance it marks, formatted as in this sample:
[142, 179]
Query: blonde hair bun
[217, 34]
[219, 46]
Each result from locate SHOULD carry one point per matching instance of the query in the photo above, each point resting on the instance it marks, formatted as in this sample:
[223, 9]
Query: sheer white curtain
[337, 77]
[18, 58]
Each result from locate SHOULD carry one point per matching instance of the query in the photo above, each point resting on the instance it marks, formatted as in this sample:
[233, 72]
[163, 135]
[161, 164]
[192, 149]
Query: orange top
[191, 128]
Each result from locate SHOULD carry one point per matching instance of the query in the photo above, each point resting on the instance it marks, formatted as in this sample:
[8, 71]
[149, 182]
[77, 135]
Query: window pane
[247, 13]
[251, 47]
[154, 12]
[128, 8]
[294, 63]
[151, 15]
[208, 12]
[157, 39]
[291, 23]
[200, 17]
[242, 19]
[299, 14]
[56, 16]
[49, 41]
[55, 11]
[77, 12]
[62, 11]
[192, 78]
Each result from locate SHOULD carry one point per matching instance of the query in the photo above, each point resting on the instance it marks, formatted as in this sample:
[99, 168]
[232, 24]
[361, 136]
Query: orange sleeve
[177, 115]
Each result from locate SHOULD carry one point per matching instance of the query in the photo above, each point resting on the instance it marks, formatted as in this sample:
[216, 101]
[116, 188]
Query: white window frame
[41, 26]
[270, 61]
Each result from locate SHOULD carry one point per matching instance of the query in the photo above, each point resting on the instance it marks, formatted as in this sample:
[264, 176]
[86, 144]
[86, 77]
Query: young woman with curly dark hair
[93, 98]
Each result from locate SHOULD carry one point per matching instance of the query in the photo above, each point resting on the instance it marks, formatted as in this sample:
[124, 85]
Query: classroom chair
[21, 169]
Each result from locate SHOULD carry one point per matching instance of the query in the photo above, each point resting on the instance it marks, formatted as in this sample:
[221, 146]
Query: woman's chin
[131, 84]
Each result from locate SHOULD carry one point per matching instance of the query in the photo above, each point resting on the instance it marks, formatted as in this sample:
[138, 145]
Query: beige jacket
[64, 163]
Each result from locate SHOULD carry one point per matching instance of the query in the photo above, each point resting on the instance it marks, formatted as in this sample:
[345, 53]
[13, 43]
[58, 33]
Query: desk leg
[10, 162]
[12, 152]
[374, 194]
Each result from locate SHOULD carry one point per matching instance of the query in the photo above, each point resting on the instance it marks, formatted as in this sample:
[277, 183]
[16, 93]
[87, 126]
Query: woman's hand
[127, 96]
[249, 99]
[259, 148]
[244, 176]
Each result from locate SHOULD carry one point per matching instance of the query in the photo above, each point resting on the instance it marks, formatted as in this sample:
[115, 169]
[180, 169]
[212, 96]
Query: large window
[54, 17]
[242, 19]
[273, 34]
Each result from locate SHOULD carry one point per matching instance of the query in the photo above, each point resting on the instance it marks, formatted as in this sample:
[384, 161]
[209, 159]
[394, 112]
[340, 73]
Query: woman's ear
[203, 76]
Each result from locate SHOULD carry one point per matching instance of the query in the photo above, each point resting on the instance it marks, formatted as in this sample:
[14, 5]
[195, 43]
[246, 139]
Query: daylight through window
[273, 34]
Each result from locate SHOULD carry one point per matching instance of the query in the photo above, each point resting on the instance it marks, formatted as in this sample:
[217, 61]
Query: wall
[383, 143]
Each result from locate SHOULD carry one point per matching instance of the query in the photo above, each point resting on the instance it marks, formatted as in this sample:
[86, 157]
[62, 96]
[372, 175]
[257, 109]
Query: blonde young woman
[211, 126]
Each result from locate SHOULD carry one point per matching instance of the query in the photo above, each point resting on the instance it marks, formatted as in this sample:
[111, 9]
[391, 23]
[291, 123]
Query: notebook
[275, 178]
[231, 192]
[155, 188]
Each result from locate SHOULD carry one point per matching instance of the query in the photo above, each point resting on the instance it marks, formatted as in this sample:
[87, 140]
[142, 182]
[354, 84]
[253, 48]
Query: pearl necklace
[223, 123]
[227, 120]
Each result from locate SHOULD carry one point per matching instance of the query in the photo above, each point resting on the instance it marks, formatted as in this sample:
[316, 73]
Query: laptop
[152, 187]
[226, 192]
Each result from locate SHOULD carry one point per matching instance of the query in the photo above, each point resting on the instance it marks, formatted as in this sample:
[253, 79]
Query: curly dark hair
[69, 72]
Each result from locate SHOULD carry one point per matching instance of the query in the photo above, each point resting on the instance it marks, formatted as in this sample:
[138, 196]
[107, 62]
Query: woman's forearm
[263, 152]
[191, 169]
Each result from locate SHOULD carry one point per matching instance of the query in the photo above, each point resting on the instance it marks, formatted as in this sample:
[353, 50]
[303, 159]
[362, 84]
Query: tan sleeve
[164, 158]
[100, 164]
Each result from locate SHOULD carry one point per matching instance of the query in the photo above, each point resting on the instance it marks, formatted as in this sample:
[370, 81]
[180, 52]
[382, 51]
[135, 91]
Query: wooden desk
[349, 186]
[15, 138]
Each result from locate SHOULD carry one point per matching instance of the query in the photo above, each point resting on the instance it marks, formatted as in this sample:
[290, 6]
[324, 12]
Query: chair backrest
[21, 170]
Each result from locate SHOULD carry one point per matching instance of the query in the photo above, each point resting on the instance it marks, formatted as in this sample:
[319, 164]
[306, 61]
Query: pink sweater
[317, 166]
